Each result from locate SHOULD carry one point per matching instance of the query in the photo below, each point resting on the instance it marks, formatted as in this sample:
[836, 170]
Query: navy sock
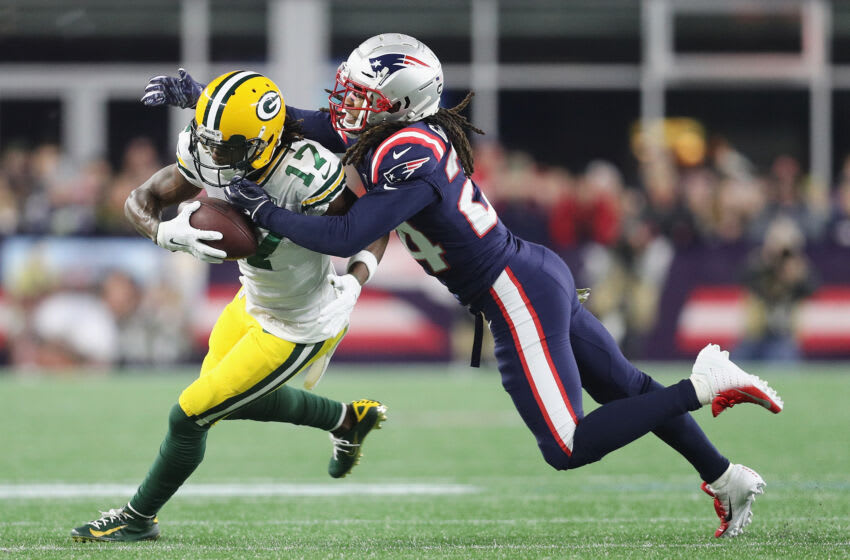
[683, 434]
[619, 422]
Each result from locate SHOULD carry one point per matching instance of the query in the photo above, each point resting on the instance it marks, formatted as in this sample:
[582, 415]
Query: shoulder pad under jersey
[412, 152]
[185, 161]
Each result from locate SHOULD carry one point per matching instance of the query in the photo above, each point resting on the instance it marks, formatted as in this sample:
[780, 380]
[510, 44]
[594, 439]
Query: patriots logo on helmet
[404, 170]
[393, 62]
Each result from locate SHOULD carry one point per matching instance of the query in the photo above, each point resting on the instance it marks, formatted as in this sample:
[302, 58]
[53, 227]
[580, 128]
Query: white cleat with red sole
[719, 382]
[734, 494]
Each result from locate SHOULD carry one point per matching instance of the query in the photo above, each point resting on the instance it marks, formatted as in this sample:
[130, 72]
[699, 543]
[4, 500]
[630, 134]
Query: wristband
[368, 259]
[261, 214]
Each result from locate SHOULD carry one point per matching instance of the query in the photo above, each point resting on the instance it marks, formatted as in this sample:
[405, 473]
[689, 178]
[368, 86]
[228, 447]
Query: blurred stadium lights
[299, 33]
[571, 82]
[664, 67]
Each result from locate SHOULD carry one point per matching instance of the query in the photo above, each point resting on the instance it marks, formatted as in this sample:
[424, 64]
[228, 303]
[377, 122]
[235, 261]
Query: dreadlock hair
[292, 131]
[455, 125]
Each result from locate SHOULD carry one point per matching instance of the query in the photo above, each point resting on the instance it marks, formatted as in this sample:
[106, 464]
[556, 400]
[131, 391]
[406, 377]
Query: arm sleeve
[372, 216]
[317, 126]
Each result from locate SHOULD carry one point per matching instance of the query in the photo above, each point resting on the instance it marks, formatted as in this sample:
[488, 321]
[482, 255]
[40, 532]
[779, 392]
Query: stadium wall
[402, 316]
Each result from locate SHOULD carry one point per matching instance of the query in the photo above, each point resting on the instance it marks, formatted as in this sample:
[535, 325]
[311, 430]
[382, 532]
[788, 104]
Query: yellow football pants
[245, 363]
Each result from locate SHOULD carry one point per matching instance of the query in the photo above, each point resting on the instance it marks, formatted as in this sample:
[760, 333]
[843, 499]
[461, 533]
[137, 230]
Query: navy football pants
[548, 346]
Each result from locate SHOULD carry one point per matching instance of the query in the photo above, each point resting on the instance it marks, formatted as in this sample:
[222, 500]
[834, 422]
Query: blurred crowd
[714, 197]
[685, 194]
[99, 324]
[42, 192]
[688, 193]
[57, 320]
[719, 199]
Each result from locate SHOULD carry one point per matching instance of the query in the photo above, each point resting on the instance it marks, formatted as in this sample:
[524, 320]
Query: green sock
[181, 452]
[292, 406]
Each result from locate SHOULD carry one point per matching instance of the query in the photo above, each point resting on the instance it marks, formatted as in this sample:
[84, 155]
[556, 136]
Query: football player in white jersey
[386, 100]
[288, 317]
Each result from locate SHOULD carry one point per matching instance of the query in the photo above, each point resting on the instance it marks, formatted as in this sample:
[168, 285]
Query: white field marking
[638, 546]
[53, 491]
[530, 521]
[61, 490]
[163, 547]
[763, 519]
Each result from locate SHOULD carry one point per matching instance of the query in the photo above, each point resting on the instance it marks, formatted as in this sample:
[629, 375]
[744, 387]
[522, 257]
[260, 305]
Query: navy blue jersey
[317, 127]
[415, 184]
[546, 344]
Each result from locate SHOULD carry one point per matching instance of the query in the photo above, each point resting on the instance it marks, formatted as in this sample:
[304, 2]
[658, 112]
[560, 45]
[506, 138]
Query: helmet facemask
[238, 125]
[217, 161]
[388, 78]
[351, 104]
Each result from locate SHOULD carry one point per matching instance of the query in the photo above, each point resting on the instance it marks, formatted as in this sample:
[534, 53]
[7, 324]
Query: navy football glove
[248, 197]
[181, 92]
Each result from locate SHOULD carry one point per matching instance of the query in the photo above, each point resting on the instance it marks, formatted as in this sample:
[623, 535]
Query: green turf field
[453, 474]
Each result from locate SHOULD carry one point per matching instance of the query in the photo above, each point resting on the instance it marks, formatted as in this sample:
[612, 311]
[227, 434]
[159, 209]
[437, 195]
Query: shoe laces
[107, 517]
[728, 372]
[342, 446]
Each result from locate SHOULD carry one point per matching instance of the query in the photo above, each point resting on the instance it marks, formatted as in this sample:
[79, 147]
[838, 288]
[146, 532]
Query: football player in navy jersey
[415, 161]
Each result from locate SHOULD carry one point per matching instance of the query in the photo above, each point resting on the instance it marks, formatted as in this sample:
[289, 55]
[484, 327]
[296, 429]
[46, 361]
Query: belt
[475, 361]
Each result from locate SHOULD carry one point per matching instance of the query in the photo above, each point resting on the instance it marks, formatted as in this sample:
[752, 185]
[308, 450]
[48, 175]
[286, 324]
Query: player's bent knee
[556, 457]
[180, 422]
[579, 456]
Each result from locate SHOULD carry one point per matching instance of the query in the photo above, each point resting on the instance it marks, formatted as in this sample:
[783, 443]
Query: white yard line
[54, 491]
[568, 548]
[582, 520]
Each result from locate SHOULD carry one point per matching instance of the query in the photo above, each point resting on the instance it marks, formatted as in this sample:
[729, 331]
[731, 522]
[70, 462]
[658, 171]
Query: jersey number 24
[480, 215]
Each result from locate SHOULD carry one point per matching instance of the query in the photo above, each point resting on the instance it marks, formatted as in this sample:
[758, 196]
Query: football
[239, 236]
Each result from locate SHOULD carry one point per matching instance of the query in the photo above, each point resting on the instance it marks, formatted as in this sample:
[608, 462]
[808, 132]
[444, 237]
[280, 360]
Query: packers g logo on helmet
[269, 105]
[237, 127]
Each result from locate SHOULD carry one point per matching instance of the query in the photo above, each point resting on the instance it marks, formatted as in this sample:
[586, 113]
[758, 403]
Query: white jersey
[285, 284]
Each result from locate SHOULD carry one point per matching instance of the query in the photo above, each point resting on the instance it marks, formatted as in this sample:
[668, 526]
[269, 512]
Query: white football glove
[179, 235]
[338, 311]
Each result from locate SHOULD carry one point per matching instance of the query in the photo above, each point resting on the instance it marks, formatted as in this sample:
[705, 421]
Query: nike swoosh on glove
[178, 235]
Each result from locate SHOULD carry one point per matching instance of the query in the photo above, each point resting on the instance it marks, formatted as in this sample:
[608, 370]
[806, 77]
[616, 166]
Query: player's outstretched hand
[248, 196]
[337, 312]
[179, 235]
[181, 91]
